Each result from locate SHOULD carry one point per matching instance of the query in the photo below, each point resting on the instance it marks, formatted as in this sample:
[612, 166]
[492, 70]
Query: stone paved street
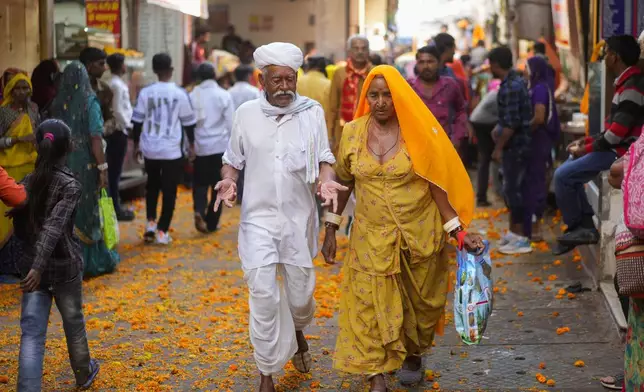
[176, 319]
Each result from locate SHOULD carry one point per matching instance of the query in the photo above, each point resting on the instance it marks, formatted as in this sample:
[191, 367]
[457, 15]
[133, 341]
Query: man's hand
[497, 154]
[138, 155]
[573, 145]
[329, 246]
[31, 282]
[577, 151]
[328, 192]
[192, 155]
[226, 192]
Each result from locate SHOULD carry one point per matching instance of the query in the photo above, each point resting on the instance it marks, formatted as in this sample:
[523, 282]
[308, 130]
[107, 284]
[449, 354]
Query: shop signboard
[105, 15]
[621, 17]
[561, 22]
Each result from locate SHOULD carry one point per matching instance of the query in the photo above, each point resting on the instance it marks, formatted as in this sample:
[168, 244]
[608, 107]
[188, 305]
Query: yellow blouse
[394, 211]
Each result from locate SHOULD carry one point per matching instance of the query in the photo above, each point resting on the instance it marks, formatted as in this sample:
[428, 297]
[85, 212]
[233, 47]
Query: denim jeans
[569, 184]
[33, 322]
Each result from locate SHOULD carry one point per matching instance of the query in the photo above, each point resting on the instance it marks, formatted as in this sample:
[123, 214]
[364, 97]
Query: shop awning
[198, 8]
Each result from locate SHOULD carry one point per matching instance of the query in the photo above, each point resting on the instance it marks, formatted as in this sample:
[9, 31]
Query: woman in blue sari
[77, 105]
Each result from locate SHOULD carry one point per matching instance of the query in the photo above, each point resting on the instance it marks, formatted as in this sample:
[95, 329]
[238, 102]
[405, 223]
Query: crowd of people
[299, 146]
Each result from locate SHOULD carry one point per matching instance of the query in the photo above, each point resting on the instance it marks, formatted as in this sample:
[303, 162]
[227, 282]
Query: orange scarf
[350, 90]
[432, 153]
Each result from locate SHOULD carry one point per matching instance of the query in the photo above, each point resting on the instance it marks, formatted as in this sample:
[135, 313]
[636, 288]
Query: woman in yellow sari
[18, 119]
[412, 191]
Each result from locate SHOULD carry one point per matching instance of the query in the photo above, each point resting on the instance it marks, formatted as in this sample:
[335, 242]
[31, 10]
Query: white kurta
[279, 220]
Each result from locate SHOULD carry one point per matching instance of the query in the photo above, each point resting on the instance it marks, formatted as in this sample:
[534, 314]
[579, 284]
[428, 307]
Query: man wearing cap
[281, 141]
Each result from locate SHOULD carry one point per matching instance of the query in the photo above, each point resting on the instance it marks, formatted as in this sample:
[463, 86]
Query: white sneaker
[163, 238]
[520, 245]
[507, 238]
[150, 232]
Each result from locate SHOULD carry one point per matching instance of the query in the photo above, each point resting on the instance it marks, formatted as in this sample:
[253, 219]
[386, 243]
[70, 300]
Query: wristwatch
[102, 166]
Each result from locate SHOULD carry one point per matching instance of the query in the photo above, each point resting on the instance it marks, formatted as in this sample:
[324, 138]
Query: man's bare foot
[266, 384]
[378, 383]
[302, 359]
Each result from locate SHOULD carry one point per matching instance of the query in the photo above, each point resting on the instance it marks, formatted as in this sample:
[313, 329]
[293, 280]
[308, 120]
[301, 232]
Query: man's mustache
[280, 93]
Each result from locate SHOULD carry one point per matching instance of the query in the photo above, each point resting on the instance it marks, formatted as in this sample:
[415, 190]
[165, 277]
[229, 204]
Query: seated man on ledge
[591, 155]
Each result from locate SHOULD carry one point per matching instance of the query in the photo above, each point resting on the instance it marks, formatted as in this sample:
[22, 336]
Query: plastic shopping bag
[473, 295]
[109, 222]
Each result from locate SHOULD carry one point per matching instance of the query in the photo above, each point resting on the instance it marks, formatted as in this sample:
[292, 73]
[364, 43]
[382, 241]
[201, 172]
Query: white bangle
[333, 218]
[451, 225]
[102, 166]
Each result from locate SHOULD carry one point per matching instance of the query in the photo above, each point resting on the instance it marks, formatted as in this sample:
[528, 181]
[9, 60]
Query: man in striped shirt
[592, 155]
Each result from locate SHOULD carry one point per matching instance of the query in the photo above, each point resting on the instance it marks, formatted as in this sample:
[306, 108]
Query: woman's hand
[329, 246]
[30, 139]
[226, 192]
[103, 182]
[328, 192]
[473, 243]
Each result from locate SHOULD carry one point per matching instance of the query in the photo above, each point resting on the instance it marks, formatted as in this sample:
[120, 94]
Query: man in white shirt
[281, 140]
[242, 91]
[162, 114]
[117, 140]
[214, 109]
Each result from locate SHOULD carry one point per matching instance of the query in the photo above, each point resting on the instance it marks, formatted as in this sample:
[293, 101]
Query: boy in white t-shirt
[162, 114]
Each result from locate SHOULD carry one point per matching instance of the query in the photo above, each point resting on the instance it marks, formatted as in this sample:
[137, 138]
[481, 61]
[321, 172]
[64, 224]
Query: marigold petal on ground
[541, 378]
[542, 365]
[551, 383]
[580, 363]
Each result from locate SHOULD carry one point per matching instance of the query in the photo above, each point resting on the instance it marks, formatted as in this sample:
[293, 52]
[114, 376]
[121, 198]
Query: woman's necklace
[389, 149]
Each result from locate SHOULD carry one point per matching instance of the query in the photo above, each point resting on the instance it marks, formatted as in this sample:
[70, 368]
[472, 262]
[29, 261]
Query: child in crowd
[52, 263]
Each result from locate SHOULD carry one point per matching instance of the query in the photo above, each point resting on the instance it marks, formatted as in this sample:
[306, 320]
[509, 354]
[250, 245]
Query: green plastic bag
[109, 222]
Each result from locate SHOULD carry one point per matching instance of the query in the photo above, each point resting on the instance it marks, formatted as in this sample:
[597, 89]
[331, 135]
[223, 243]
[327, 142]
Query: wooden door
[19, 34]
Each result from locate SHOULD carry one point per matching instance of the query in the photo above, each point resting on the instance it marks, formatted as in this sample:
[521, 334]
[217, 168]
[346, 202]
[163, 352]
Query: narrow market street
[176, 319]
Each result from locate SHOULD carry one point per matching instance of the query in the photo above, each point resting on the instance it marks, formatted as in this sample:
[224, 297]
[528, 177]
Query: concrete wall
[290, 20]
[330, 28]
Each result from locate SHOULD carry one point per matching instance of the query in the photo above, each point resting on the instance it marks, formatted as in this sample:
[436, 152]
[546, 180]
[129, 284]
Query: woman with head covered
[281, 141]
[412, 193]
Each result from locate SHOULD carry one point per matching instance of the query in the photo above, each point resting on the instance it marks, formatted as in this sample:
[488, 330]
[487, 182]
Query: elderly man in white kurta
[281, 141]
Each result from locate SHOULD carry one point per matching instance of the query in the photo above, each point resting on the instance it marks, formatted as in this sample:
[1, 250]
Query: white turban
[279, 53]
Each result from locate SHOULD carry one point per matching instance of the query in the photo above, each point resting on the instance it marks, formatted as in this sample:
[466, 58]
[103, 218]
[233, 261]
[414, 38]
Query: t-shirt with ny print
[163, 108]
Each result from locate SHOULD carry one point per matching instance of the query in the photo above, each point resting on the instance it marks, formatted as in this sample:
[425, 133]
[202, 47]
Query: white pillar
[362, 17]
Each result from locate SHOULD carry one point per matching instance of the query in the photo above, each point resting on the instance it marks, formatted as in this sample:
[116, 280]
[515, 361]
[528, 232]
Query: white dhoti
[278, 308]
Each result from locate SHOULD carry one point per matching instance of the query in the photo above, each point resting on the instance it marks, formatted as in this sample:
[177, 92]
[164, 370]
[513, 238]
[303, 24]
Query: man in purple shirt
[441, 94]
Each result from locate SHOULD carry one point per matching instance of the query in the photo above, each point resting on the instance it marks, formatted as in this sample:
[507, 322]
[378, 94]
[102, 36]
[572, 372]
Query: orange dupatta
[432, 153]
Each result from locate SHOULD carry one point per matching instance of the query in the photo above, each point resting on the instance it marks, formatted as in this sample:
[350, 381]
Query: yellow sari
[396, 278]
[19, 159]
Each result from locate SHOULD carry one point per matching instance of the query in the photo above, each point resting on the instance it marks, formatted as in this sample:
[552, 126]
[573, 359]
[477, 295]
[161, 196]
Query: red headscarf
[350, 90]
